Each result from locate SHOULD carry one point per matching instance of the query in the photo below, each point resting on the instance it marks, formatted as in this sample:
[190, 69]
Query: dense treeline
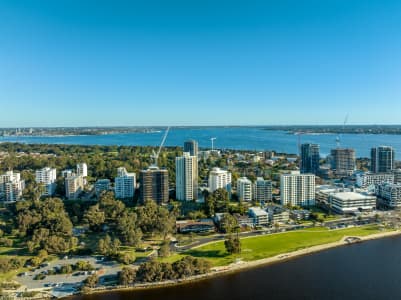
[155, 271]
[46, 226]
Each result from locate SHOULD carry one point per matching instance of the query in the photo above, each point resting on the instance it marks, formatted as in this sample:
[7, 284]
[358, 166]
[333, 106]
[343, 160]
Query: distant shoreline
[240, 266]
[105, 130]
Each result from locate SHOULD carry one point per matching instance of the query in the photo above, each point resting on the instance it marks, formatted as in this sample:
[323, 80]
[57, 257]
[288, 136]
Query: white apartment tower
[47, 176]
[297, 189]
[124, 184]
[11, 186]
[244, 189]
[219, 179]
[186, 177]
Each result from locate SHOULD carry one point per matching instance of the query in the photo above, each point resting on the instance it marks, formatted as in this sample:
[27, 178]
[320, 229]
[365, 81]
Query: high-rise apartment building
[219, 179]
[47, 176]
[297, 189]
[310, 157]
[343, 161]
[11, 186]
[74, 186]
[244, 189]
[191, 146]
[186, 177]
[124, 184]
[153, 185]
[263, 190]
[382, 159]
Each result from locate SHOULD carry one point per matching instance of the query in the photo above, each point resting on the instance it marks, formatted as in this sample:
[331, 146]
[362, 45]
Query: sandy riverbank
[242, 265]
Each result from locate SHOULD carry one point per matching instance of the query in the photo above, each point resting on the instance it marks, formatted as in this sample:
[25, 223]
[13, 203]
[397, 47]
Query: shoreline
[242, 265]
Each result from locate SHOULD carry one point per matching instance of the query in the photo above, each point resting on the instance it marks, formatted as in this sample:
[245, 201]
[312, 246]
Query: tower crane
[338, 138]
[155, 155]
[212, 140]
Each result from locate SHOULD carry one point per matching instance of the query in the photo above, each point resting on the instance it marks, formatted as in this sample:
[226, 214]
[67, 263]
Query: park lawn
[260, 247]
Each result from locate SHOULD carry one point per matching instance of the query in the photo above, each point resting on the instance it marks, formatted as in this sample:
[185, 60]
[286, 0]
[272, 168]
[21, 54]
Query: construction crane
[212, 140]
[299, 134]
[338, 138]
[155, 155]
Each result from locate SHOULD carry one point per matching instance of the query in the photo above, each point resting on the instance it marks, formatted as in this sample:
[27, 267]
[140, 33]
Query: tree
[108, 246]
[112, 208]
[164, 250]
[155, 219]
[126, 258]
[228, 223]
[94, 217]
[232, 244]
[126, 276]
[91, 281]
[126, 226]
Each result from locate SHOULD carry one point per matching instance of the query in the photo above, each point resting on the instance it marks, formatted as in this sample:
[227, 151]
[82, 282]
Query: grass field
[271, 245]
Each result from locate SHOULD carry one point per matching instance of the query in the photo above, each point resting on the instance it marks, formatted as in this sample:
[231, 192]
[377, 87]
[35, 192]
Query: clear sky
[77, 62]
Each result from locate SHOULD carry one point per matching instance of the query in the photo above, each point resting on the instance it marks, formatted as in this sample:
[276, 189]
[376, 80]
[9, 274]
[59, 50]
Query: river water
[241, 138]
[369, 270]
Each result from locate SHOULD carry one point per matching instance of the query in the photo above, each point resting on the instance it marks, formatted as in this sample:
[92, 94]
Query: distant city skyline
[183, 63]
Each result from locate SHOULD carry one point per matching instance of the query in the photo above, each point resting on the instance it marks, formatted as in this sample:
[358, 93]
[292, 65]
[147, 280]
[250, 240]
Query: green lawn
[270, 245]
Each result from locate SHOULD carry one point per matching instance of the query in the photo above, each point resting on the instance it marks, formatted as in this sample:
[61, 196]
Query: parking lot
[56, 281]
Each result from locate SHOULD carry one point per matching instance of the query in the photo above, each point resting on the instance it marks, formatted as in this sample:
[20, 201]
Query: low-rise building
[187, 226]
[299, 215]
[244, 221]
[260, 217]
[351, 202]
[389, 194]
[364, 180]
[278, 214]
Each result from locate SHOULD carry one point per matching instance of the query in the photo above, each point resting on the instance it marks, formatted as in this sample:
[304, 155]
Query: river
[241, 138]
[369, 270]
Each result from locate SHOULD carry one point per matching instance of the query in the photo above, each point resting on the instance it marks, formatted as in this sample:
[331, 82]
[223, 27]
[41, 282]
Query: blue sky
[77, 63]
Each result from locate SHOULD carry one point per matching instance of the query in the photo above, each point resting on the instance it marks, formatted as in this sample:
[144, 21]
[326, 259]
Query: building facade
[102, 185]
[74, 186]
[153, 185]
[297, 189]
[124, 184]
[47, 177]
[382, 159]
[82, 169]
[219, 179]
[389, 194]
[11, 186]
[351, 202]
[343, 161]
[191, 146]
[244, 189]
[186, 177]
[263, 190]
[310, 158]
[364, 180]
